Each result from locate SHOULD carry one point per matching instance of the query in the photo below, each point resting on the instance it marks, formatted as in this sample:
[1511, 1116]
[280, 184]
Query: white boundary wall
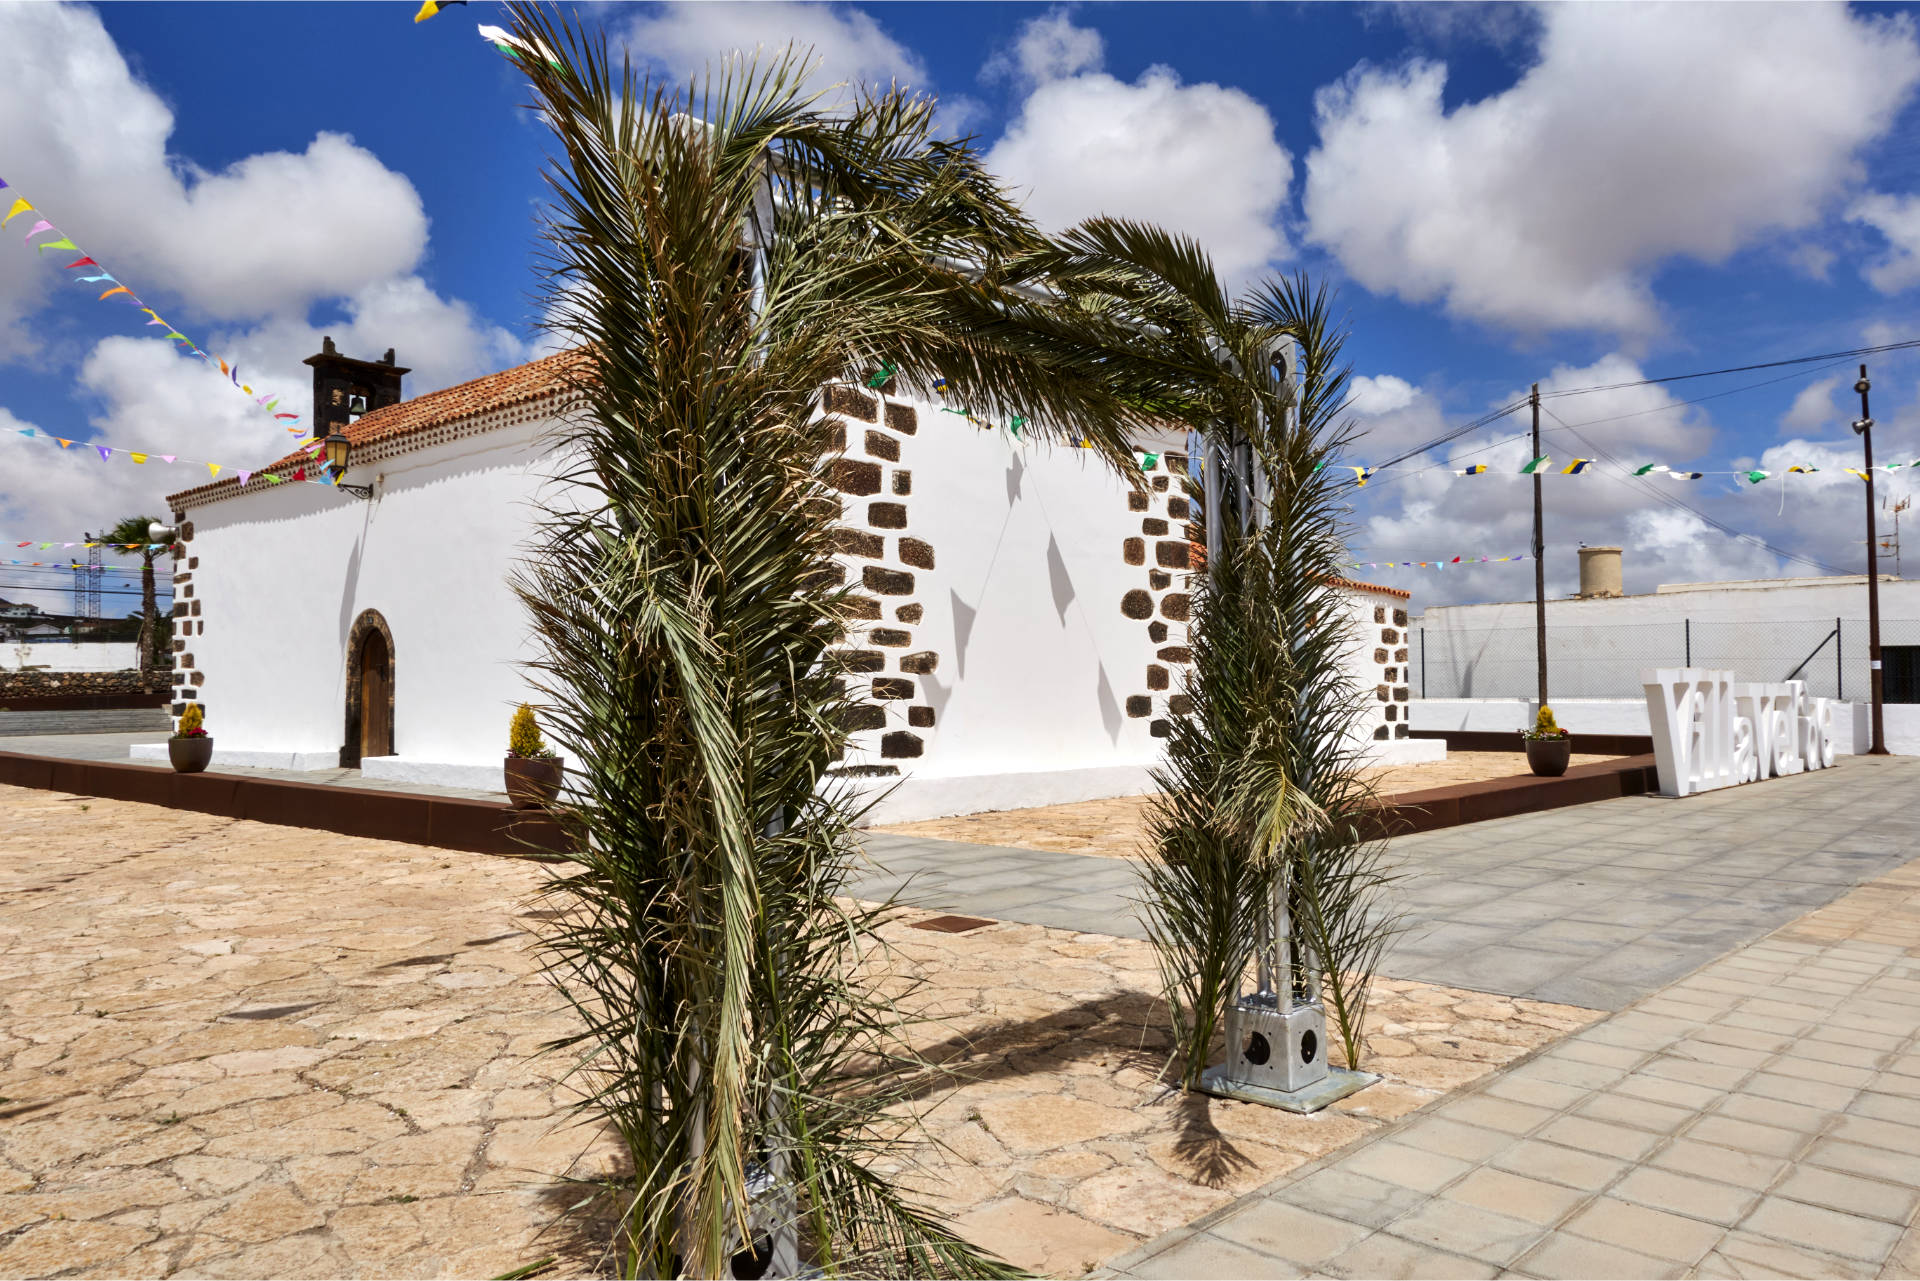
[82, 656]
[1852, 732]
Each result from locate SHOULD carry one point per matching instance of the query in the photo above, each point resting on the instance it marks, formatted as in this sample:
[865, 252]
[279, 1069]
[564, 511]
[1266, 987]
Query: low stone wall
[20, 691]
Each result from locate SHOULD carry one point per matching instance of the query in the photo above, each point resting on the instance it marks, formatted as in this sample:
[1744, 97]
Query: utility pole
[1539, 562]
[1865, 428]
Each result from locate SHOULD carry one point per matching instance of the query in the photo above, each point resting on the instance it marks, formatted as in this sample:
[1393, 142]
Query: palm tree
[1261, 800]
[721, 255]
[120, 540]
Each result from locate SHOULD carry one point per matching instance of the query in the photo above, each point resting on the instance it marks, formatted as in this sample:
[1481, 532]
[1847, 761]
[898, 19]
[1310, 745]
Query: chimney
[345, 388]
[1599, 573]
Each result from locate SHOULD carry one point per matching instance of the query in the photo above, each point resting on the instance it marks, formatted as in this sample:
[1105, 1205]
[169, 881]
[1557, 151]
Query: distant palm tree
[133, 529]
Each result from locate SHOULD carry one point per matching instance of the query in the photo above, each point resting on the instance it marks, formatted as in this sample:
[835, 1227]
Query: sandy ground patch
[1116, 829]
[234, 1049]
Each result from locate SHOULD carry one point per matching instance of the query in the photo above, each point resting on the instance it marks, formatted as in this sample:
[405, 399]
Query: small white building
[1027, 609]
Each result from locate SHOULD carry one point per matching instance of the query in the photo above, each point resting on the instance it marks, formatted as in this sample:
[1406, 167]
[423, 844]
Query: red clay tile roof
[1370, 587]
[532, 381]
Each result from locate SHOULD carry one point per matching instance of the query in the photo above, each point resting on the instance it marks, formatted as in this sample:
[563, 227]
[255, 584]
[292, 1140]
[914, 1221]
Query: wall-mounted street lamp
[338, 448]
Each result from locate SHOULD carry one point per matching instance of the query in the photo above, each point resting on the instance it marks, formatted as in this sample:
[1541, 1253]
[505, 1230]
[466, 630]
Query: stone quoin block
[862, 716]
[1180, 705]
[1135, 604]
[902, 481]
[1159, 579]
[919, 664]
[909, 613]
[887, 582]
[1176, 606]
[916, 553]
[1380, 731]
[1176, 654]
[1400, 694]
[193, 562]
[196, 609]
[1393, 713]
[903, 419]
[1177, 508]
[881, 445]
[187, 593]
[178, 646]
[1400, 730]
[1399, 655]
[180, 579]
[186, 532]
[857, 542]
[890, 637]
[828, 575]
[863, 660]
[178, 709]
[887, 515]
[920, 717]
[863, 607]
[892, 687]
[1139, 706]
[1160, 729]
[1153, 526]
[1172, 555]
[1157, 677]
[1399, 618]
[1382, 693]
[1160, 483]
[1392, 673]
[851, 476]
[852, 402]
[1379, 614]
[836, 435]
[186, 660]
[1379, 655]
[1137, 501]
[180, 609]
[1134, 551]
[1390, 636]
[900, 745]
[1156, 632]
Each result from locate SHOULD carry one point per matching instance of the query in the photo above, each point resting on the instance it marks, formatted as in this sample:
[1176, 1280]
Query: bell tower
[345, 388]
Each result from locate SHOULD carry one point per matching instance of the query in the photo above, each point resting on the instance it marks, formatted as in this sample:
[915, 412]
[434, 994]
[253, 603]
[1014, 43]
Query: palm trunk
[149, 611]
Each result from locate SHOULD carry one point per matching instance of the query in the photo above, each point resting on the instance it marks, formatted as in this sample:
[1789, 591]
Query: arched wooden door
[369, 727]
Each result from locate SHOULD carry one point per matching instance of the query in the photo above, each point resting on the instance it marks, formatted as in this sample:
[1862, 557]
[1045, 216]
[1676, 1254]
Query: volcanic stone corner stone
[1153, 526]
[887, 515]
[903, 419]
[851, 476]
[1136, 604]
[1176, 606]
[1400, 694]
[865, 607]
[1180, 705]
[1400, 730]
[1172, 555]
[1137, 501]
[1379, 613]
[1139, 705]
[863, 660]
[902, 481]
[1399, 655]
[1176, 509]
[916, 553]
[1156, 632]
[836, 435]
[857, 542]
[852, 402]
[890, 637]
[1379, 655]
[881, 445]
[1157, 677]
[1390, 636]
[1160, 482]
[1392, 673]
[1159, 579]
[828, 575]
[1393, 713]
[909, 613]
[1382, 693]
[1175, 654]
[920, 663]
[1380, 731]
[920, 717]
[886, 582]
[1134, 551]
[1399, 618]
[1160, 729]
[901, 744]
[862, 716]
[892, 687]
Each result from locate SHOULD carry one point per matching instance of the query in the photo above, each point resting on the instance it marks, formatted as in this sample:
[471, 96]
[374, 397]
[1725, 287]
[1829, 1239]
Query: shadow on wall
[1059, 579]
[1110, 714]
[963, 616]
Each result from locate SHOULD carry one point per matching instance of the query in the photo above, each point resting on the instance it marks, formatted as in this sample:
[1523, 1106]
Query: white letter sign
[1710, 733]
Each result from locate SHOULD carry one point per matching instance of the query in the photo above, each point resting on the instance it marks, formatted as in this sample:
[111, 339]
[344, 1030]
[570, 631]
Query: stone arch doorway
[369, 690]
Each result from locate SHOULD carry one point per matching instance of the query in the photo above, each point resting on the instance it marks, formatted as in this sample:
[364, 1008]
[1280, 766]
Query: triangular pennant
[245, 476]
[62, 243]
[117, 289]
[19, 207]
[106, 451]
[83, 262]
[213, 469]
[138, 458]
[38, 227]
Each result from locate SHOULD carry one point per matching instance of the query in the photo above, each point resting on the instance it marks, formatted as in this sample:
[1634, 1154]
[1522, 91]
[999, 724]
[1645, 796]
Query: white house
[1027, 609]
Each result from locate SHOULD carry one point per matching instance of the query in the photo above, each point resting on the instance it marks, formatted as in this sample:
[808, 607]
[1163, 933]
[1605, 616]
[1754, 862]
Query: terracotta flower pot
[532, 784]
[1548, 757]
[190, 755]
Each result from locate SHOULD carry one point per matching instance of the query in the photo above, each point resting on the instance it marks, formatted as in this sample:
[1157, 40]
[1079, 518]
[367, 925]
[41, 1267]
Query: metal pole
[1689, 662]
[1839, 665]
[1423, 662]
[1865, 428]
[1539, 562]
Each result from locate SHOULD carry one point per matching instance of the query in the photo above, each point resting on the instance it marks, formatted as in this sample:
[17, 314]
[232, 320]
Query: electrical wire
[1825, 357]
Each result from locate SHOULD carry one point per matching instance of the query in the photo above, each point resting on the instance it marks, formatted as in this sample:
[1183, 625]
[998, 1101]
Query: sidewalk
[1760, 1117]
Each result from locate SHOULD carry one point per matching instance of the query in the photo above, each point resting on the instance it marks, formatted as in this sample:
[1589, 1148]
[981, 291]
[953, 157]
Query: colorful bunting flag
[1536, 465]
[1478, 469]
[1577, 466]
[432, 7]
[1756, 476]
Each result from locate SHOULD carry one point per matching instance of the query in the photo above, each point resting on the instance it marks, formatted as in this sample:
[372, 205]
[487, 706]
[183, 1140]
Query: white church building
[1026, 608]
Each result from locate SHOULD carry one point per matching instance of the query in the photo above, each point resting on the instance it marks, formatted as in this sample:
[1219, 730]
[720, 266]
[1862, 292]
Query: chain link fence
[1606, 661]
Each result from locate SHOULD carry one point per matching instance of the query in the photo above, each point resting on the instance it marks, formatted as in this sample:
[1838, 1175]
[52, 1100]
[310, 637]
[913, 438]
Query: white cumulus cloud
[1641, 133]
[684, 40]
[1898, 219]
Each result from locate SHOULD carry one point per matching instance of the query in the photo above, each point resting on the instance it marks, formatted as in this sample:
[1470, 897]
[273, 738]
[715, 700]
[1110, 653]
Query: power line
[1854, 354]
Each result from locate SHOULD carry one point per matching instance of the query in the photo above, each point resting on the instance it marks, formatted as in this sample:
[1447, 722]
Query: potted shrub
[533, 771]
[191, 747]
[1549, 747]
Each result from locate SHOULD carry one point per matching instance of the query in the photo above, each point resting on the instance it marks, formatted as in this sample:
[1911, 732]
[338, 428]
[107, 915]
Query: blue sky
[1577, 195]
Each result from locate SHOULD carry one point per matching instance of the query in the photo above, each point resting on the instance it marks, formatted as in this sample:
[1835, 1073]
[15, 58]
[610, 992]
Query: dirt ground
[231, 1049]
[1115, 828]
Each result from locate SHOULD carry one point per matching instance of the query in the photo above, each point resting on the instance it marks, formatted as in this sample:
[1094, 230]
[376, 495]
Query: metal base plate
[1337, 1085]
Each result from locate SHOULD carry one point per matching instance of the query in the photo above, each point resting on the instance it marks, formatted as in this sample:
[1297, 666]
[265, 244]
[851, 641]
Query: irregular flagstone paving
[234, 1049]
